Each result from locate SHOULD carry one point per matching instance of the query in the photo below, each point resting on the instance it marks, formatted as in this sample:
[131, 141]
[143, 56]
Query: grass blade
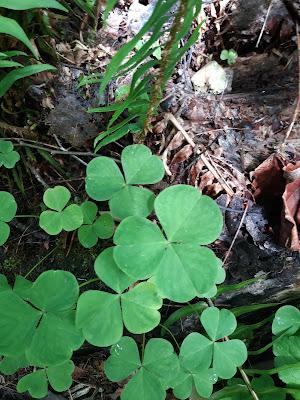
[13, 76]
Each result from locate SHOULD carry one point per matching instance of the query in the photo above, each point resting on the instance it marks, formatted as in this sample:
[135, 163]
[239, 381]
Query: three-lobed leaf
[8, 157]
[44, 327]
[92, 228]
[36, 383]
[189, 220]
[62, 218]
[286, 319]
[101, 315]
[203, 360]
[105, 181]
[153, 375]
[287, 351]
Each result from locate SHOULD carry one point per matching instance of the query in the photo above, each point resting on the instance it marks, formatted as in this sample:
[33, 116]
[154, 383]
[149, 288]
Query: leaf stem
[267, 347]
[40, 262]
[171, 334]
[272, 371]
[143, 347]
[89, 281]
[26, 216]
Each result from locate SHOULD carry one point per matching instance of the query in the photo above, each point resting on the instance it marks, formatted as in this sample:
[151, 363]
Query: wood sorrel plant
[162, 257]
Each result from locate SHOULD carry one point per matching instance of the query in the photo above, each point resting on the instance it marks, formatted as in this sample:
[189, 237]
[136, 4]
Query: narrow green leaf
[29, 4]
[9, 64]
[11, 27]
[13, 76]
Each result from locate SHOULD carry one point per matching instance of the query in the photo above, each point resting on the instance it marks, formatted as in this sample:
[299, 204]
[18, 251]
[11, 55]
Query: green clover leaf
[204, 359]
[92, 228]
[10, 365]
[18, 321]
[101, 315]
[46, 334]
[36, 383]
[105, 181]
[189, 220]
[8, 211]
[109, 273]
[8, 157]
[153, 375]
[62, 218]
[287, 351]
[4, 286]
[229, 55]
[287, 318]
[203, 381]
[140, 166]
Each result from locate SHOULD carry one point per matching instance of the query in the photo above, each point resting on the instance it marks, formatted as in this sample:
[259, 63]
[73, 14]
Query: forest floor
[241, 147]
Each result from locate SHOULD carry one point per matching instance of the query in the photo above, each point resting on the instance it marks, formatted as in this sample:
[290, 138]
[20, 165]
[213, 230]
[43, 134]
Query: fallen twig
[236, 233]
[205, 160]
[265, 23]
[297, 108]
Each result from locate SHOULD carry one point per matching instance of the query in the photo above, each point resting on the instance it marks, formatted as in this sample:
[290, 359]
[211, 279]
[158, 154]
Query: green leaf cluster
[37, 328]
[142, 55]
[10, 27]
[229, 55]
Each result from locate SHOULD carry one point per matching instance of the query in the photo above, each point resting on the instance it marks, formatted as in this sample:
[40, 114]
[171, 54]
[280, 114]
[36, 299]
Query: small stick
[210, 167]
[177, 125]
[20, 131]
[236, 233]
[215, 173]
[265, 23]
[64, 149]
[297, 109]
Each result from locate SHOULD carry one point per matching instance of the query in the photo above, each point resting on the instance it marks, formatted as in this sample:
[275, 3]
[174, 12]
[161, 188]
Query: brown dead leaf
[289, 235]
[175, 142]
[277, 186]
[194, 172]
[290, 217]
[182, 155]
[268, 179]
[206, 180]
[214, 189]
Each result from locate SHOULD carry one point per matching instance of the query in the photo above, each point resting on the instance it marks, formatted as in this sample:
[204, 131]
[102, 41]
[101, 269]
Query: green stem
[266, 347]
[40, 262]
[171, 334]
[143, 347]
[27, 216]
[89, 281]
[273, 370]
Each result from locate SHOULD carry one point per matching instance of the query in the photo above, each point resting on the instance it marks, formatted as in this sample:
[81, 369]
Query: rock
[212, 77]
